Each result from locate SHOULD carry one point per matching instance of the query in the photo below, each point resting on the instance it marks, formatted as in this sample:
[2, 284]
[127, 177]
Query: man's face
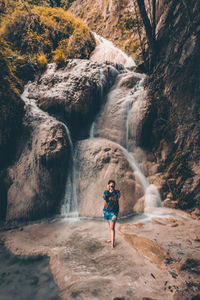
[111, 187]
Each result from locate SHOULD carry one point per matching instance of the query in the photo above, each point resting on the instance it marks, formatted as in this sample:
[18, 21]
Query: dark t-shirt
[111, 203]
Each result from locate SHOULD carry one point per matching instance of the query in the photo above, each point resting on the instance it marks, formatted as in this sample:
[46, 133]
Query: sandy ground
[154, 258]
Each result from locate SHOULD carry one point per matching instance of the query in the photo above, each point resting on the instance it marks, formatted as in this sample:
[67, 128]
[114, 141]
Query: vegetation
[10, 88]
[37, 35]
[30, 37]
[117, 21]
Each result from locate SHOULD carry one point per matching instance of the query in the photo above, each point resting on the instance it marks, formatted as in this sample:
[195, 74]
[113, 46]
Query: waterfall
[118, 106]
[70, 202]
[105, 50]
[34, 114]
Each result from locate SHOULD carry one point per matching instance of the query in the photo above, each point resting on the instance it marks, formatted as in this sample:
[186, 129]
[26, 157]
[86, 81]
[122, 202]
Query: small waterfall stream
[113, 123]
[70, 202]
[105, 50]
[69, 206]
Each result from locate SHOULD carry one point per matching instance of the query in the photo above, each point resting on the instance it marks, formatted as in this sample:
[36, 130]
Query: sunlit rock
[74, 92]
[98, 161]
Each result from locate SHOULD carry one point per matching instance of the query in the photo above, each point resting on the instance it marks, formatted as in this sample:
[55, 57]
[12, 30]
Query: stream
[23, 278]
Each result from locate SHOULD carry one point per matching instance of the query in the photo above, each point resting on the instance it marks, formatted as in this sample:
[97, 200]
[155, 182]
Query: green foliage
[8, 79]
[52, 3]
[11, 106]
[38, 35]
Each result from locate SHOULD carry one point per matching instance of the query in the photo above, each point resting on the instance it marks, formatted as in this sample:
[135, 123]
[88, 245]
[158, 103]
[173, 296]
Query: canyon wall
[171, 126]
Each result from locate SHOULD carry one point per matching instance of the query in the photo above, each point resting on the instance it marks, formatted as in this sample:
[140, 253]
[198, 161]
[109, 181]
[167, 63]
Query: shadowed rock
[37, 178]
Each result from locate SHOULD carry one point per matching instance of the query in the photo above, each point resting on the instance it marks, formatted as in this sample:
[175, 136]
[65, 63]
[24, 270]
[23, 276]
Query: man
[111, 208]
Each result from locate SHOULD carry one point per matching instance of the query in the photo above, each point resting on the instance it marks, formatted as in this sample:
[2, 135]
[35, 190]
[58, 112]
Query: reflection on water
[25, 278]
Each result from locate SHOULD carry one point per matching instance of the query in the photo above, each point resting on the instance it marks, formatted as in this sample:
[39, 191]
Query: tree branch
[147, 26]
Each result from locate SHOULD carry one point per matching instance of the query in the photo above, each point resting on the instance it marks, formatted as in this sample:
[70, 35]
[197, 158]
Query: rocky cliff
[11, 114]
[168, 128]
[34, 181]
[171, 126]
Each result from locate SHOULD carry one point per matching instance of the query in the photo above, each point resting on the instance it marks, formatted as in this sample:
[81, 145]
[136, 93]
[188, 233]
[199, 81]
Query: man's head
[111, 185]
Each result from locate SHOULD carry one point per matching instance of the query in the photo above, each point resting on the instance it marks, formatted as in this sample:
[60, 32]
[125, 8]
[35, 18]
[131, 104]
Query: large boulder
[74, 92]
[99, 160]
[119, 119]
[37, 179]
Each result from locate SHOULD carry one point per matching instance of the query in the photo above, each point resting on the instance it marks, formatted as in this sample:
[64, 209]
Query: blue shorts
[110, 216]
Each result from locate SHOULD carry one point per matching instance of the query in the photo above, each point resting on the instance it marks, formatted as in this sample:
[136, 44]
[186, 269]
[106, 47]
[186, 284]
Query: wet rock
[147, 247]
[74, 92]
[120, 118]
[36, 179]
[139, 206]
[96, 167]
[168, 202]
[167, 221]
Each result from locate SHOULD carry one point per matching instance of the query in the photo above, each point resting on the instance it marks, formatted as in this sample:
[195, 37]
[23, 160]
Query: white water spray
[70, 202]
[106, 51]
[69, 207]
[119, 103]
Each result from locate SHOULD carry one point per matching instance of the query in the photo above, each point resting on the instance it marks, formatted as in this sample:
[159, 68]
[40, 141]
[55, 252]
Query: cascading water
[70, 202]
[113, 123]
[35, 114]
[105, 50]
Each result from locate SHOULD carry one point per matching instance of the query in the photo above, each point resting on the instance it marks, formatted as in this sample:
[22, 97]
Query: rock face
[75, 92]
[171, 126]
[99, 160]
[35, 182]
[11, 115]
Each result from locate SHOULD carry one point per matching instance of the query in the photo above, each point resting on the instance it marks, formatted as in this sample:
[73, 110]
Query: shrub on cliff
[33, 31]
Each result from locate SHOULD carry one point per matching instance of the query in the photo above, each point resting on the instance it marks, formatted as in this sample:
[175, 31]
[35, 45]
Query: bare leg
[109, 229]
[112, 234]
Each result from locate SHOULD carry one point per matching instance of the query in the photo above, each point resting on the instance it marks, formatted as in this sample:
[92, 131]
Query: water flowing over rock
[106, 51]
[120, 120]
[74, 92]
[120, 117]
[98, 161]
[37, 178]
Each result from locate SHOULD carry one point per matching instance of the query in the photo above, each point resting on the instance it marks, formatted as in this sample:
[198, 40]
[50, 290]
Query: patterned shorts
[110, 216]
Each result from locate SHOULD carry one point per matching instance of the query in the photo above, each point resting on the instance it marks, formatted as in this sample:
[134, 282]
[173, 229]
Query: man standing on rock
[111, 208]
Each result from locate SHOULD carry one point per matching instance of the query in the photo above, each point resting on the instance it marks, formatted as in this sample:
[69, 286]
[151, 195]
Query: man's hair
[111, 181]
